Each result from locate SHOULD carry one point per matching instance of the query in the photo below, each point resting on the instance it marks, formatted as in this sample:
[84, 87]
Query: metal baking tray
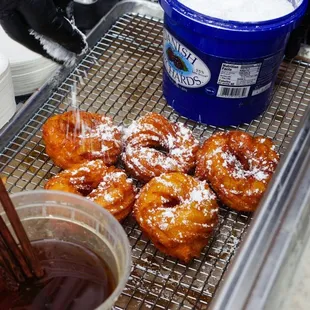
[122, 77]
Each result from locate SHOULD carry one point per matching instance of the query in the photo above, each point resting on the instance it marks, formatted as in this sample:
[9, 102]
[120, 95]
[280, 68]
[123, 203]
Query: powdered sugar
[108, 197]
[200, 194]
[241, 10]
[77, 180]
[79, 170]
[145, 137]
[104, 132]
[239, 165]
[83, 36]
[142, 158]
[137, 126]
[112, 192]
[237, 171]
[55, 50]
[259, 175]
[166, 183]
[234, 191]
[110, 178]
[163, 226]
[168, 213]
[184, 144]
[170, 141]
[176, 140]
[198, 198]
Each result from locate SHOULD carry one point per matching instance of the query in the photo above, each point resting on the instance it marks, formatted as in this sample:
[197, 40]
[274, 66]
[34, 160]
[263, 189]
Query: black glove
[298, 36]
[43, 26]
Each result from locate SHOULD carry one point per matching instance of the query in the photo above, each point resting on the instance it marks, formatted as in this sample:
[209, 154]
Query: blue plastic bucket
[222, 72]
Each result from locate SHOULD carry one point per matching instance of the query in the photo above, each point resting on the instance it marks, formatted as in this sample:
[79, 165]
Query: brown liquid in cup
[75, 278]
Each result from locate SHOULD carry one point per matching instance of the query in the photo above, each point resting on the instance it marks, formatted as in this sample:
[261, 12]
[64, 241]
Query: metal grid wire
[122, 77]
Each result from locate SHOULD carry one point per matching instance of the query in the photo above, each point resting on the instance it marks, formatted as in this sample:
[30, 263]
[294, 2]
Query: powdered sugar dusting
[142, 158]
[241, 10]
[105, 132]
[81, 169]
[77, 180]
[234, 191]
[200, 193]
[239, 165]
[163, 226]
[80, 174]
[112, 191]
[237, 169]
[259, 175]
[176, 140]
[112, 177]
[137, 126]
[108, 197]
[166, 183]
[198, 198]
[183, 145]
[55, 50]
[168, 213]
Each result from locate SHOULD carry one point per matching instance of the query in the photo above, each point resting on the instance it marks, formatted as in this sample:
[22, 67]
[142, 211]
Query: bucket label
[239, 74]
[183, 66]
[233, 92]
[235, 80]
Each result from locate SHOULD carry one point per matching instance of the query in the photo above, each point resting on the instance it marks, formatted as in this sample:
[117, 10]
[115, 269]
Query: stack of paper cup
[7, 99]
[29, 70]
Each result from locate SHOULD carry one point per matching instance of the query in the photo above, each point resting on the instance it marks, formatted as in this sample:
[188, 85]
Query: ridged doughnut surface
[154, 146]
[107, 186]
[238, 167]
[75, 137]
[178, 213]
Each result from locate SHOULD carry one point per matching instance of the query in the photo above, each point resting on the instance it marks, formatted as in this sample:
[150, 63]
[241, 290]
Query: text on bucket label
[238, 75]
[183, 66]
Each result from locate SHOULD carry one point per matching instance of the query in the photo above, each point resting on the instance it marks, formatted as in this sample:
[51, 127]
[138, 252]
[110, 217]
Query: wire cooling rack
[121, 77]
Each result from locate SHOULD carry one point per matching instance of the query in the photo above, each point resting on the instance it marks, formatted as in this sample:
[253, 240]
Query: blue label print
[178, 61]
[184, 67]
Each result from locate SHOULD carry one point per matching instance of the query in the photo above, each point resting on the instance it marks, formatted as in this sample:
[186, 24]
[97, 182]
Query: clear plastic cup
[68, 217]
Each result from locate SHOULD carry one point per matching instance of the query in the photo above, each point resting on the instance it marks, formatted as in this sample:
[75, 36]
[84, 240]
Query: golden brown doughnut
[154, 146]
[238, 167]
[76, 136]
[106, 186]
[178, 213]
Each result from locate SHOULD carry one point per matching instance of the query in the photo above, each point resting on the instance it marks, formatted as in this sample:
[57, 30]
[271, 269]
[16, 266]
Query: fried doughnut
[178, 213]
[238, 167]
[107, 186]
[154, 146]
[76, 136]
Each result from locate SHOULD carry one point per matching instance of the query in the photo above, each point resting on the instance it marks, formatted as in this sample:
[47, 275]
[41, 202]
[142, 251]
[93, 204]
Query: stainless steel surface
[122, 77]
[263, 269]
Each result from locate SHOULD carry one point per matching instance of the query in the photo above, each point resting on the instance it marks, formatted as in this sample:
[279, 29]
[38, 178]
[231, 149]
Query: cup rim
[110, 301]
